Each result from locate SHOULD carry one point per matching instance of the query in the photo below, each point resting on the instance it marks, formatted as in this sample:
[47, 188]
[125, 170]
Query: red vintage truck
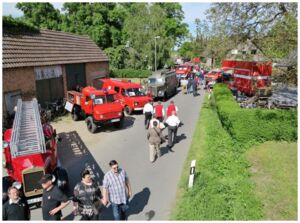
[184, 70]
[97, 107]
[30, 150]
[247, 76]
[131, 95]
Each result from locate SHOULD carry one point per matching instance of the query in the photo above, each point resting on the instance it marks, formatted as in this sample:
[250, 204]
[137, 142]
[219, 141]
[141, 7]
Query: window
[253, 51]
[117, 89]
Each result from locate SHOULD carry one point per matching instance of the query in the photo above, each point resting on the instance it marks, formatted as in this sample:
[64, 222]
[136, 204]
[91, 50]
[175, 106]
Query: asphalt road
[153, 184]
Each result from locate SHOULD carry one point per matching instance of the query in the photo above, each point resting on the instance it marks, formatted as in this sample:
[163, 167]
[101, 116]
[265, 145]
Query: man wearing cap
[53, 199]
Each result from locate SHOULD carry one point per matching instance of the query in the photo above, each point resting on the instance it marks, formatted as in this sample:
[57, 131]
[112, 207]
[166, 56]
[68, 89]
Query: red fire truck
[247, 76]
[131, 95]
[29, 152]
[98, 107]
[184, 70]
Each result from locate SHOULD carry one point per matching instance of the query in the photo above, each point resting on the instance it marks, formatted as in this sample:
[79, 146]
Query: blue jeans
[119, 211]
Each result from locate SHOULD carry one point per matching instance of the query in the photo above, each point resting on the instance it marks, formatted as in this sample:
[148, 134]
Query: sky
[191, 12]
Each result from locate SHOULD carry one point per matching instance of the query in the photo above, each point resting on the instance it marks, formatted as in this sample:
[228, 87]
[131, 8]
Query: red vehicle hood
[108, 108]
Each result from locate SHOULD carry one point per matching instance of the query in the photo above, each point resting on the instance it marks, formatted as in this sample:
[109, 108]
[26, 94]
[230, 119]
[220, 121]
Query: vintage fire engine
[184, 70]
[29, 154]
[98, 107]
[247, 76]
[132, 96]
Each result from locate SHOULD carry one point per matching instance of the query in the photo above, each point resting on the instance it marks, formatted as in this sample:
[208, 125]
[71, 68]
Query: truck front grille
[31, 179]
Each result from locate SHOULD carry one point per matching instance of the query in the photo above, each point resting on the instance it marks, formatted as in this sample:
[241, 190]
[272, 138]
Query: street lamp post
[156, 37]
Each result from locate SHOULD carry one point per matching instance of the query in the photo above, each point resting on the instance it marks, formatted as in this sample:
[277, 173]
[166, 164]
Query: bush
[250, 126]
[130, 73]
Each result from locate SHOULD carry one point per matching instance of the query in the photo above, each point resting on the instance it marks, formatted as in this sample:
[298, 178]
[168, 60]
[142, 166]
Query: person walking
[87, 200]
[159, 111]
[53, 200]
[183, 83]
[172, 107]
[154, 137]
[148, 111]
[117, 190]
[189, 85]
[195, 86]
[173, 123]
[15, 208]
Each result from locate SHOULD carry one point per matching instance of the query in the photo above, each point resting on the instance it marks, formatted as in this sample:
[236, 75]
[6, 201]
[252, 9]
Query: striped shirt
[115, 183]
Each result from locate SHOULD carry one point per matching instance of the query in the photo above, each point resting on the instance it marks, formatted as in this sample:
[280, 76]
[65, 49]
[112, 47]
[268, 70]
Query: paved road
[153, 184]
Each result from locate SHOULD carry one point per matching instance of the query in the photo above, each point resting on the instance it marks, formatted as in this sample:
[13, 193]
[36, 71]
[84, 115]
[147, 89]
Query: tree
[41, 15]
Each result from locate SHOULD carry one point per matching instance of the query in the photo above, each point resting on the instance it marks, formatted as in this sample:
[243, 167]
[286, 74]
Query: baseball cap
[45, 178]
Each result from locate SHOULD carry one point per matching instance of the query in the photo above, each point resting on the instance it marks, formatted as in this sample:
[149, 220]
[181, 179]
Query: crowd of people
[88, 200]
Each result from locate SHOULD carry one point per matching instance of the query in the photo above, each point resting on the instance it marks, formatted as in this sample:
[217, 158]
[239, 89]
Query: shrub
[250, 126]
[130, 73]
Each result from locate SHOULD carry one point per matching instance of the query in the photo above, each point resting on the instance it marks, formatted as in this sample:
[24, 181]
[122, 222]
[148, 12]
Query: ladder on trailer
[27, 133]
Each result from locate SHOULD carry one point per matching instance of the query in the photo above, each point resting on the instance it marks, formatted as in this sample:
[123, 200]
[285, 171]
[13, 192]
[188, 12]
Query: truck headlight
[5, 144]
[135, 103]
[160, 93]
[120, 113]
[101, 116]
[17, 185]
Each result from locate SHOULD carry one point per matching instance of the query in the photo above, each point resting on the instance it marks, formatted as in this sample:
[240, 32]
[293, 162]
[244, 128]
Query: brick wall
[20, 79]
[93, 70]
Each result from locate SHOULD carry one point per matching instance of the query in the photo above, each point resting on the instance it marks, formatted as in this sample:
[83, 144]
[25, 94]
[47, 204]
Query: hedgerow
[130, 73]
[250, 126]
[222, 189]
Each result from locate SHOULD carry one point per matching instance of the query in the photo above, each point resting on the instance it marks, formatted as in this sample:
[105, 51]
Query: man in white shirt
[148, 111]
[173, 123]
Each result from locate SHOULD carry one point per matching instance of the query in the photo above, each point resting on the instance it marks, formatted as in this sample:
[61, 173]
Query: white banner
[48, 72]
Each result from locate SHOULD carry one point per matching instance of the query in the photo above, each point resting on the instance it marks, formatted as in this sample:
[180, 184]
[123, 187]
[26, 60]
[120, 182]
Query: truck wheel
[92, 127]
[76, 114]
[120, 123]
[127, 111]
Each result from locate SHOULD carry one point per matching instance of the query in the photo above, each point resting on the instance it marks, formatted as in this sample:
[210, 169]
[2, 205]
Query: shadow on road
[128, 123]
[74, 156]
[180, 137]
[136, 206]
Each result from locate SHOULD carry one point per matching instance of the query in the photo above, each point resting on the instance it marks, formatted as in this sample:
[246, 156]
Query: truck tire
[120, 123]
[76, 113]
[92, 127]
[127, 111]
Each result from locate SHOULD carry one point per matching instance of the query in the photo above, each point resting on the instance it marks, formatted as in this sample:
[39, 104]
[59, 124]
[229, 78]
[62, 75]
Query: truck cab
[184, 70]
[132, 96]
[97, 107]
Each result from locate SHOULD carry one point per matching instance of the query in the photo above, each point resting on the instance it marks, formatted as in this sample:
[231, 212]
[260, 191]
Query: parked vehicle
[162, 84]
[29, 153]
[212, 77]
[247, 76]
[132, 96]
[184, 70]
[55, 108]
[97, 107]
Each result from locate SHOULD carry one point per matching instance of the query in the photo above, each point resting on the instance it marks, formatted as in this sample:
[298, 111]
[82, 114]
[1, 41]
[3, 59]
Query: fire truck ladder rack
[27, 134]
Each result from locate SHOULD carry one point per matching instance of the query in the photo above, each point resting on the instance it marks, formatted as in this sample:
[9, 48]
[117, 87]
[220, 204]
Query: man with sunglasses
[117, 190]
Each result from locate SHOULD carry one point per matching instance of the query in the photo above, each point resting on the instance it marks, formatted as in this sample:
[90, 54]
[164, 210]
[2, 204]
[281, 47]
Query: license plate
[115, 120]
[138, 109]
[34, 200]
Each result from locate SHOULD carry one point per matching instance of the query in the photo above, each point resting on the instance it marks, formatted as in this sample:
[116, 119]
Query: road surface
[154, 184]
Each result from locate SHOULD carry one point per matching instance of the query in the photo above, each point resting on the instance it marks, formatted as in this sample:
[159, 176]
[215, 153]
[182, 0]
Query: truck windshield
[99, 100]
[155, 80]
[133, 92]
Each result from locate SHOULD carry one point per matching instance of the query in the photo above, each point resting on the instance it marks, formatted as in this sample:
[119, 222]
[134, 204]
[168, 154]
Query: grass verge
[222, 189]
[274, 171]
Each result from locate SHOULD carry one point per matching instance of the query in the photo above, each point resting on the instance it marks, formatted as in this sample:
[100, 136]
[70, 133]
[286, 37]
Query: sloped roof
[48, 47]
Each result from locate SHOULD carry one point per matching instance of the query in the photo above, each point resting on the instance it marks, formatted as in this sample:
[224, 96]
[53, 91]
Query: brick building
[46, 64]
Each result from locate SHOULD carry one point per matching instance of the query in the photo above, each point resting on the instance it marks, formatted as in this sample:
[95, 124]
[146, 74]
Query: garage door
[49, 90]
[75, 76]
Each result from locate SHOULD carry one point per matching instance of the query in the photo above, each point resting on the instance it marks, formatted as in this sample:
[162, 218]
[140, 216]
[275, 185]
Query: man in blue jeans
[117, 190]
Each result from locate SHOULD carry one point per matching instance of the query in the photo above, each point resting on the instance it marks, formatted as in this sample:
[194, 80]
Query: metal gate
[75, 76]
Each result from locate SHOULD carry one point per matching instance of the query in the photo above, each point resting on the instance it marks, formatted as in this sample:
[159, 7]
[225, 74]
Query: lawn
[274, 171]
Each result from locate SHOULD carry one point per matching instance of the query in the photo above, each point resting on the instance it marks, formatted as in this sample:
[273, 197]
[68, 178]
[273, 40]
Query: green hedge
[222, 189]
[130, 73]
[249, 126]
